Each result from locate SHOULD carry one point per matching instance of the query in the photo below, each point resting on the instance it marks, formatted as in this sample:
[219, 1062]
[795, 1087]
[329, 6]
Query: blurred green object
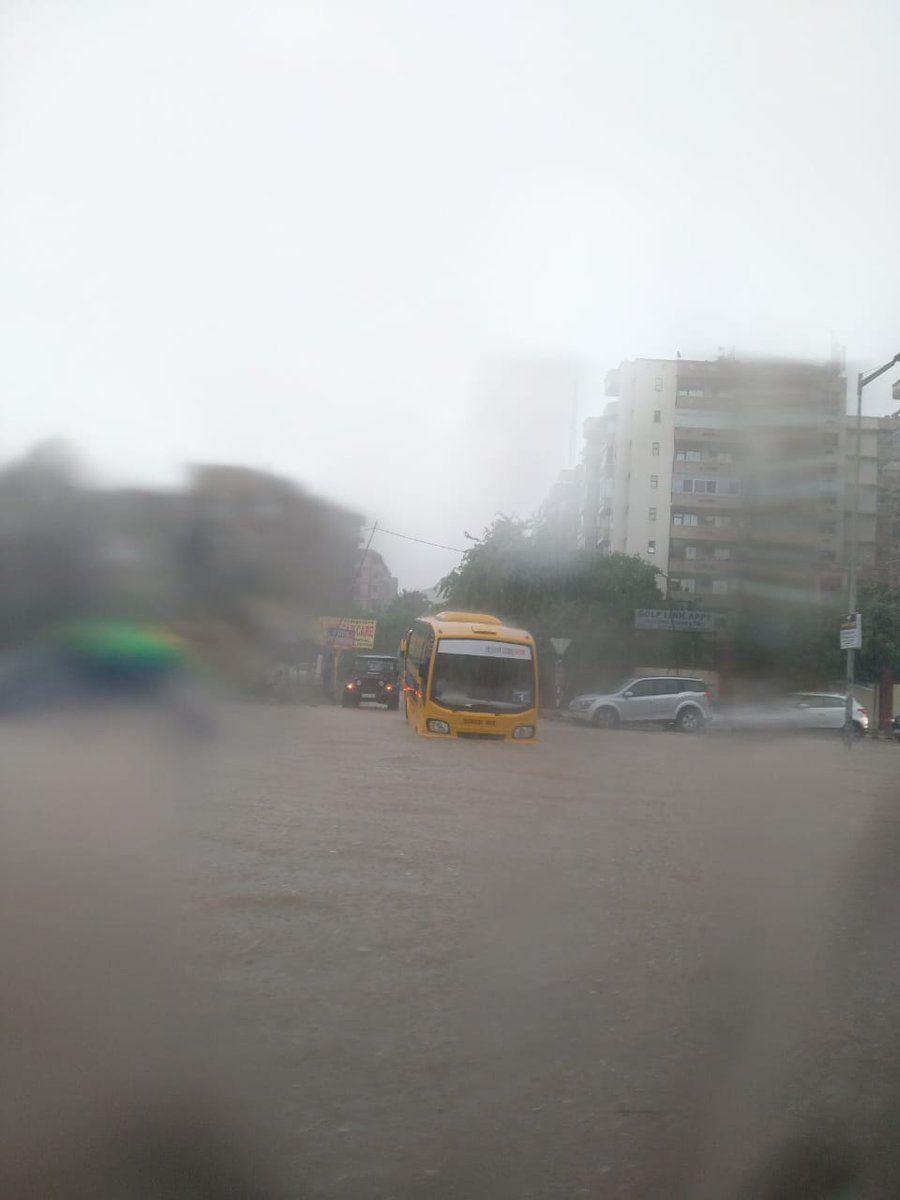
[118, 648]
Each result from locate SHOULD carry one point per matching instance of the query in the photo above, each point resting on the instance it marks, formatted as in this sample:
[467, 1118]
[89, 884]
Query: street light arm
[865, 380]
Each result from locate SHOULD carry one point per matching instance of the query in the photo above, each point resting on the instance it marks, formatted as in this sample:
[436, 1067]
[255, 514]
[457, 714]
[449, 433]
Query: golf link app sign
[347, 633]
[680, 620]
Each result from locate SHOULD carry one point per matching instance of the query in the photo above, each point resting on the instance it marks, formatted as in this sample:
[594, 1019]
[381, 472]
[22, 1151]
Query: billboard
[347, 633]
[681, 620]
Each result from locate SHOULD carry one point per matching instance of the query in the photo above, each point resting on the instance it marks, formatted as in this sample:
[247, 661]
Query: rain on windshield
[483, 675]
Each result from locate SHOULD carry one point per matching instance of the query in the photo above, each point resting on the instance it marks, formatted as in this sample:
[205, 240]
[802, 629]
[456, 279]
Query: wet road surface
[468, 969]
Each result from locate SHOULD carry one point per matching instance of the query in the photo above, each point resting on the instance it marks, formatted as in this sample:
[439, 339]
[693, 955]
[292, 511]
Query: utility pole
[861, 382]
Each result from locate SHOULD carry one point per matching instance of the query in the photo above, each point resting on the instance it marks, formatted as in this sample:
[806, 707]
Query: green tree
[518, 572]
[880, 654]
[790, 647]
[396, 618]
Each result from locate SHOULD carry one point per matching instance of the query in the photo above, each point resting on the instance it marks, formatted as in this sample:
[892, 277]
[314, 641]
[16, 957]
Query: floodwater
[336, 960]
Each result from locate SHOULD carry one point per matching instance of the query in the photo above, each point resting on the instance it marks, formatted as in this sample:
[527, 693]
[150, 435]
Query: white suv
[677, 700]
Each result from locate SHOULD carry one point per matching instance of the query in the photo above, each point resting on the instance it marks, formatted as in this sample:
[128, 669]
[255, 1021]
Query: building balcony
[699, 413]
[692, 502]
[713, 466]
[701, 533]
[703, 592]
[708, 567]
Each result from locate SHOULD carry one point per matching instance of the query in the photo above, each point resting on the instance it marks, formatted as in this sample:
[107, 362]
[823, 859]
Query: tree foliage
[880, 608]
[518, 572]
[396, 618]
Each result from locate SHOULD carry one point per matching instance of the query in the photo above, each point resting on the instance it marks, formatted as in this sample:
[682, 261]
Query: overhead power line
[406, 537]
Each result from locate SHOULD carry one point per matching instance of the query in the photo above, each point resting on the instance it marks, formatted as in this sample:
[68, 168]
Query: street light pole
[862, 381]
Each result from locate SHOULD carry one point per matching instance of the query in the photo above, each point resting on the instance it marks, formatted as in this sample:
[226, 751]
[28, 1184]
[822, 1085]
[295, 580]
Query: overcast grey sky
[336, 240]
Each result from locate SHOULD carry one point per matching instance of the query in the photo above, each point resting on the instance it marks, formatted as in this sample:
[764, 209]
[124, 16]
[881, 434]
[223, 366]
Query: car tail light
[707, 697]
[863, 711]
[350, 686]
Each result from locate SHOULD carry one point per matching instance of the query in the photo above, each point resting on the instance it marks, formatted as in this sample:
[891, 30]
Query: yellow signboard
[347, 633]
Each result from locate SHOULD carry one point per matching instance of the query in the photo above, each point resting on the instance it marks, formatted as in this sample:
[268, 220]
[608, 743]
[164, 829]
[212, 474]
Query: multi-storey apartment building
[731, 477]
[598, 474]
[375, 586]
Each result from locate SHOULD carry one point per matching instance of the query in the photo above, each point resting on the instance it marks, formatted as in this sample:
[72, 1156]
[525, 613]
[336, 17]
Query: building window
[657, 416]
[708, 487]
[687, 456]
[722, 553]
[657, 383]
[685, 585]
[690, 552]
[654, 450]
[720, 587]
[651, 514]
[724, 456]
[654, 481]
[651, 546]
[683, 518]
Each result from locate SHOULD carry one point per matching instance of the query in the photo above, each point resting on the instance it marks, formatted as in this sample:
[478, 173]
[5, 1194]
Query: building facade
[733, 478]
[375, 586]
[560, 514]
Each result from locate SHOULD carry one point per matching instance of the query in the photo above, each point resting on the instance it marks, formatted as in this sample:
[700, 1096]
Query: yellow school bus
[467, 675]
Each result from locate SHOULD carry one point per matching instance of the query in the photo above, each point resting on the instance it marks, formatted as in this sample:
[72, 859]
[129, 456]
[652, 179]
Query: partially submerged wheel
[690, 720]
[605, 718]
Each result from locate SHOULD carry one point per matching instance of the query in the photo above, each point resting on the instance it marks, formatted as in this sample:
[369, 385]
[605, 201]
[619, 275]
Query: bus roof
[481, 618]
[461, 624]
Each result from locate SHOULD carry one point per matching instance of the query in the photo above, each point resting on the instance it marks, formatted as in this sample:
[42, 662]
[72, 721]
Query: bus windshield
[483, 676]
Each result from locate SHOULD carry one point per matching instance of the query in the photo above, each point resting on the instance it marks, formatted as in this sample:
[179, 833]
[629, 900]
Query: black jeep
[373, 677]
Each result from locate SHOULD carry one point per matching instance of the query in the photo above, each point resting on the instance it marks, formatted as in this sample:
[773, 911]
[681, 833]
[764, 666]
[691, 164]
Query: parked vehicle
[826, 710]
[682, 701]
[799, 711]
[373, 677]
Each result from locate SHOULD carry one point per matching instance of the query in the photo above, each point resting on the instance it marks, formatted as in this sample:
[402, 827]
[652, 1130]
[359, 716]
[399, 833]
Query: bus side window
[426, 658]
[414, 654]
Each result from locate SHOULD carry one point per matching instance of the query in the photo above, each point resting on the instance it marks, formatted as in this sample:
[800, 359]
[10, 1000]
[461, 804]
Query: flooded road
[614, 964]
[467, 969]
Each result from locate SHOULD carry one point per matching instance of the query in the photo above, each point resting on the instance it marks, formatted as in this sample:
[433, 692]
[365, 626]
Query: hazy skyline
[341, 241]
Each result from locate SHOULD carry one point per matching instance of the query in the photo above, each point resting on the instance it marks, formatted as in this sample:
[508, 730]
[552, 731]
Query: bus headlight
[438, 727]
[523, 731]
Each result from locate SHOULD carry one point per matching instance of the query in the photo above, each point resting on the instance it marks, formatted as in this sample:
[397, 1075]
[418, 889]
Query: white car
[682, 701]
[790, 714]
[826, 710]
